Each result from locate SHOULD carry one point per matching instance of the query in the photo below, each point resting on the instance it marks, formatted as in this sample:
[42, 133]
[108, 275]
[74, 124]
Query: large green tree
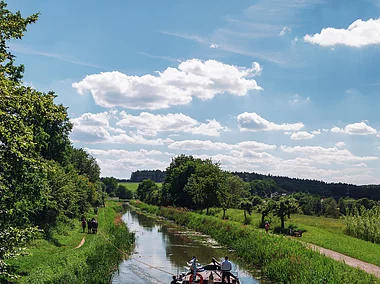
[230, 194]
[284, 207]
[205, 184]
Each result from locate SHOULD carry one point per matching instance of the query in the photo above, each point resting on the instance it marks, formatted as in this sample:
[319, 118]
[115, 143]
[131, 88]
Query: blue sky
[282, 87]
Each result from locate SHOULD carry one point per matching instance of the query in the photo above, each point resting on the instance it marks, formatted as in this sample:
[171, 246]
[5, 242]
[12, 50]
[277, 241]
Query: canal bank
[162, 249]
[59, 261]
[281, 259]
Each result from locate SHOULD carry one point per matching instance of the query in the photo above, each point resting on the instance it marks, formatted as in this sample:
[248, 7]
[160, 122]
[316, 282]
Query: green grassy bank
[58, 261]
[324, 232]
[281, 259]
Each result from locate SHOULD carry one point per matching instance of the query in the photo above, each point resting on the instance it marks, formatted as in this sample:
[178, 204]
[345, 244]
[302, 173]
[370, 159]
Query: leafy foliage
[43, 179]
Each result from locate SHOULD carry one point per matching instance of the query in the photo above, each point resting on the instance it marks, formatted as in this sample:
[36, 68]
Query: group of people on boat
[214, 272]
[91, 224]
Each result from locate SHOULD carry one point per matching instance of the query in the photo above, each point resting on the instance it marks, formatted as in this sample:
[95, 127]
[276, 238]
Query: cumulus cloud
[191, 145]
[286, 30]
[324, 155]
[120, 163]
[340, 144]
[213, 46]
[173, 86]
[360, 128]
[301, 135]
[254, 122]
[150, 124]
[359, 33]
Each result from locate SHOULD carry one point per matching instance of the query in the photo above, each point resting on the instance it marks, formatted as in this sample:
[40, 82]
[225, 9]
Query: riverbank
[281, 259]
[62, 260]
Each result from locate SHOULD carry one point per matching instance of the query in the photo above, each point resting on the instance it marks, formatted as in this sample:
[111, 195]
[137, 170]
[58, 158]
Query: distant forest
[288, 185]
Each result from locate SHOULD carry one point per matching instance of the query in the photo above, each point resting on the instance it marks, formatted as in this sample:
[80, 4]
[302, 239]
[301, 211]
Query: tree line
[201, 184]
[44, 180]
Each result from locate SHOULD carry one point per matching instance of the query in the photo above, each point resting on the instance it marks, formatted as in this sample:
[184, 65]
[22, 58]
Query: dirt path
[81, 243]
[369, 268]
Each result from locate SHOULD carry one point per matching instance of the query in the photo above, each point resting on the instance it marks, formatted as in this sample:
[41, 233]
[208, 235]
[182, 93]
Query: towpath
[368, 267]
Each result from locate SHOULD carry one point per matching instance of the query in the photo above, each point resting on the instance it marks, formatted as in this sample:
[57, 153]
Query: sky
[288, 88]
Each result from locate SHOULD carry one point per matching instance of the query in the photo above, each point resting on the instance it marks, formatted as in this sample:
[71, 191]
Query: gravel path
[369, 268]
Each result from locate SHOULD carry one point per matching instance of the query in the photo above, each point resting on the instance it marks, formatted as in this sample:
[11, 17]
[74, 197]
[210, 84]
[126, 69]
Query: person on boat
[174, 281]
[226, 268]
[193, 268]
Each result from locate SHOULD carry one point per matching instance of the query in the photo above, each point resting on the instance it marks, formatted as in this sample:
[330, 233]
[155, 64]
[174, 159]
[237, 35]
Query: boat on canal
[207, 274]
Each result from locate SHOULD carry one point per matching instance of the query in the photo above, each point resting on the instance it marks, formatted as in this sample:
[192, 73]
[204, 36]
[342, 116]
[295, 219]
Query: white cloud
[340, 144]
[361, 165]
[301, 135]
[359, 33]
[360, 128]
[316, 132]
[120, 163]
[254, 122]
[213, 46]
[150, 124]
[174, 86]
[297, 100]
[286, 30]
[323, 155]
[191, 145]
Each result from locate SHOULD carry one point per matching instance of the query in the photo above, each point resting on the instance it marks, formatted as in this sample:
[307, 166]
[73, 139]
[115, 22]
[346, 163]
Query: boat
[207, 274]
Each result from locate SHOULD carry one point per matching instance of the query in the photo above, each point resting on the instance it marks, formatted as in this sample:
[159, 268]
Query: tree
[123, 192]
[111, 185]
[247, 206]
[204, 185]
[284, 207]
[264, 207]
[230, 194]
[147, 191]
[177, 175]
[264, 188]
[330, 208]
[85, 164]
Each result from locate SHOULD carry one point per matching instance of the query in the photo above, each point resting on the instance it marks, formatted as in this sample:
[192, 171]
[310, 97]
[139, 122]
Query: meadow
[325, 232]
[280, 258]
[58, 261]
[134, 185]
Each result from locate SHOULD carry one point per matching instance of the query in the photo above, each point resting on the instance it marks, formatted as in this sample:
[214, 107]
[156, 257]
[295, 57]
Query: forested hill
[316, 187]
[155, 175]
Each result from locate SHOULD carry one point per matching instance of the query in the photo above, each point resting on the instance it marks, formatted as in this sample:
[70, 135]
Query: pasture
[134, 185]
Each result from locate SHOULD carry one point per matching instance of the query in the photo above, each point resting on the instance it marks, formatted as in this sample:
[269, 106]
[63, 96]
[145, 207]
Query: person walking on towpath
[84, 224]
[226, 268]
[267, 226]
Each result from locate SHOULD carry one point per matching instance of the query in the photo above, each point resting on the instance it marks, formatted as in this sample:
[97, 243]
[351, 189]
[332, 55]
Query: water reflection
[163, 248]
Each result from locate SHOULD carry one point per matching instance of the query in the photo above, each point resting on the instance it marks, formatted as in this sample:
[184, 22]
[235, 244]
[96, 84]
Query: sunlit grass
[59, 262]
[134, 185]
[282, 259]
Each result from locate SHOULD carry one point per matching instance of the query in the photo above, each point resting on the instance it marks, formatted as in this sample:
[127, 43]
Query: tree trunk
[245, 217]
[262, 220]
[207, 210]
[224, 213]
[282, 222]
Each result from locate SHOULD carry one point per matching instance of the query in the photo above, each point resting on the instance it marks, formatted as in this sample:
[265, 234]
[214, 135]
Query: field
[324, 232]
[134, 185]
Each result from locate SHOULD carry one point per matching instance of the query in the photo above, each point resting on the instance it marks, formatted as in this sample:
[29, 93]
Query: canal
[163, 248]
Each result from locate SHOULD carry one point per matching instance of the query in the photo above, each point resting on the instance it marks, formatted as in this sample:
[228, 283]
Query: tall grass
[94, 262]
[366, 225]
[281, 259]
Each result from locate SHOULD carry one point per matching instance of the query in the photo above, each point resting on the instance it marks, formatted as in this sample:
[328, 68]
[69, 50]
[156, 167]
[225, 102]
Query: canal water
[163, 248]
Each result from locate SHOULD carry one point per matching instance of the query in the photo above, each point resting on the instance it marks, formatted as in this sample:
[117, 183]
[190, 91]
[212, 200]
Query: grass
[282, 259]
[59, 262]
[324, 232]
[134, 185]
